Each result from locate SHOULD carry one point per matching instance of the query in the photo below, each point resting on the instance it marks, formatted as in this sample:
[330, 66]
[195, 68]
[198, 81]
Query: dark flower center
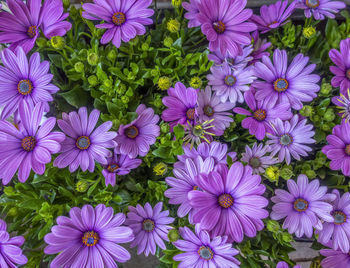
[148, 225]
[230, 60]
[32, 31]
[301, 205]
[190, 113]
[339, 217]
[112, 167]
[254, 162]
[205, 253]
[83, 142]
[28, 143]
[118, 18]
[286, 139]
[196, 188]
[25, 87]
[280, 85]
[225, 200]
[260, 114]
[198, 131]
[219, 27]
[90, 238]
[208, 110]
[312, 3]
[230, 80]
[347, 149]
[131, 132]
[348, 74]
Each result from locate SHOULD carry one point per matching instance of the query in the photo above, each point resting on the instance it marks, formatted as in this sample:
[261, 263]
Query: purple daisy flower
[23, 80]
[334, 258]
[150, 227]
[201, 251]
[11, 253]
[280, 84]
[229, 83]
[238, 62]
[258, 121]
[83, 145]
[123, 19]
[259, 49]
[181, 104]
[342, 70]
[290, 138]
[320, 8]
[339, 230]
[256, 157]
[273, 16]
[305, 206]
[136, 138]
[224, 24]
[192, 11]
[88, 238]
[30, 146]
[283, 264]
[343, 104]
[230, 203]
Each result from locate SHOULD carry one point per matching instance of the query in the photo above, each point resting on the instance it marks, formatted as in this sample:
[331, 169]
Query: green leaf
[179, 131]
[76, 97]
[34, 204]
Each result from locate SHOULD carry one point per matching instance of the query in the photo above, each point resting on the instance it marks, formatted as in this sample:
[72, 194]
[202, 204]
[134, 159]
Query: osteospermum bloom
[238, 62]
[192, 11]
[334, 258]
[229, 83]
[84, 144]
[224, 24]
[305, 206]
[198, 132]
[258, 121]
[280, 83]
[89, 237]
[343, 104]
[123, 19]
[22, 80]
[137, 137]
[201, 251]
[290, 138]
[259, 48]
[30, 146]
[320, 8]
[230, 202]
[150, 227]
[283, 264]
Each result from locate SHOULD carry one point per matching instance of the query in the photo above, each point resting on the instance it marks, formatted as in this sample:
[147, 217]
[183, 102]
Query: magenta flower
[259, 49]
[320, 8]
[22, 80]
[290, 138]
[192, 11]
[282, 84]
[230, 203]
[137, 137]
[123, 19]
[342, 68]
[334, 258]
[283, 264]
[305, 206]
[150, 227]
[89, 237]
[200, 251]
[224, 24]
[238, 62]
[258, 121]
[343, 104]
[83, 145]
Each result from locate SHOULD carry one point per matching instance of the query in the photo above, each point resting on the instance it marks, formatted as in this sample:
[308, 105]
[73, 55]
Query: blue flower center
[312, 3]
[230, 80]
[208, 110]
[32, 31]
[118, 18]
[131, 132]
[28, 143]
[25, 87]
[339, 217]
[90, 238]
[280, 85]
[83, 142]
[219, 27]
[260, 115]
[254, 162]
[148, 225]
[205, 253]
[301, 205]
[286, 139]
[112, 167]
[225, 200]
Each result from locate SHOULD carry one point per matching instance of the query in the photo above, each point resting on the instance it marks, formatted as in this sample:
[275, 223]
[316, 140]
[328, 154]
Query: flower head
[259, 49]
[198, 132]
[192, 11]
[283, 264]
[334, 258]
[320, 8]
[164, 83]
[343, 104]
[237, 62]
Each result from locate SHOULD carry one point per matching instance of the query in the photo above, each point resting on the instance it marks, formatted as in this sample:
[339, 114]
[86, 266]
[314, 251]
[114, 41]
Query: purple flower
[238, 62]
[260, 46]
[223, 23]
[181, 104]
[334, 258]
[88, 238]
[280, 84]
[192, 12]
[30, 146]
[201, 251]
[320, 8]
[273, 16]
[339, 230]
[230, 203]
[342, 70]
[338, 148]
[258, 121]
[11, 253]
[123, 19]
[136, 138]
[229, 83]
[150, 227]
[83, 145]
[290, 138]
[283, 264]
[304, 206]
[343, 103]
[198, 132]
[23, 80]
[256, 157]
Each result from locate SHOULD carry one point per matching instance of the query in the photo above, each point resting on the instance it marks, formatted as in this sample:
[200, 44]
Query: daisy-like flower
[343, 104]
[320, 9]
[22, 80]
[273, 16]
[258, 121]
[229, 83]
[280, 83]
[181, 104]
[30, 146]
[135, 138]
[198, 132]
[89, 237]
[238, 62]
[230, 202]
[283, 264]
[290, 138]
[150, 227]
[123, 19]
[256, 157]
[342, 69]
[192, 11]
[334, 258]
[259, 49]
[83, 145]
[305, 206]
[201, 251]
[224, 24]
[339, 230]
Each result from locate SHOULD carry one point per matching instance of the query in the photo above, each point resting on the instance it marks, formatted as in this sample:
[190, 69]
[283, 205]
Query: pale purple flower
[320, 9]
[343, 104]
[283, 264]
[334, 258]
[260, 46]
[238, 62]
[192, 11]
[199, 131]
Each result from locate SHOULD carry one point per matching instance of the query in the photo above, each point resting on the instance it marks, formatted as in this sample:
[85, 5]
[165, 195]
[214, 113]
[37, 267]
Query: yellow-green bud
[310, 174]
[112, 55]
[286, 173]
[154, 72]
[329, 115]
[309, 32]
[92, 59]
[144, 46]
[117, 199]
[173, 25]
[176, 3]
[173, 235]
[168, 41]
[82, 186]
[165, 128]
[272, 226]
[272, 173]
[163, 140]
[79, 67]
[12, 212]
[287, 237]
[125, 99]
[107, 83]
[66, 3]
[160, 169]
[164, 83]
[196, 82]
[326, 89]
[307, 110]
[9, 191]
[57, 42]
[93, 81]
